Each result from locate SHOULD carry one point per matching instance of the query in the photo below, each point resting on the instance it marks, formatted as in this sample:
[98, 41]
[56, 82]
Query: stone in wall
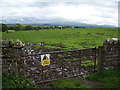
[111, 53]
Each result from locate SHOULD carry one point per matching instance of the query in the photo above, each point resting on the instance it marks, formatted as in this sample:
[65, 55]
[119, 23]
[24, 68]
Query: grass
[68, 83]
[71, 38]
[14, 81]
[51, 47]
[87, 63]
[108, 78]
[10, 31]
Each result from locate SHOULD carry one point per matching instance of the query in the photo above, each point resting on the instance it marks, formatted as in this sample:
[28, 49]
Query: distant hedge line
[19, 27]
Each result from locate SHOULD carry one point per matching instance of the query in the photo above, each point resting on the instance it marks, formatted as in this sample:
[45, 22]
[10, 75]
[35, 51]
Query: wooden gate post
[100, 65]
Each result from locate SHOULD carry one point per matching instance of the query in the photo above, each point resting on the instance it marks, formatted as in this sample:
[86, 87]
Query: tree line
[19, 27]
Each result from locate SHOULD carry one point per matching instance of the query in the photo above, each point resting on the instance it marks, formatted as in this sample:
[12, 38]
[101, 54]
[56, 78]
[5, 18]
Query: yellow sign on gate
[45, 59]
[45, 62]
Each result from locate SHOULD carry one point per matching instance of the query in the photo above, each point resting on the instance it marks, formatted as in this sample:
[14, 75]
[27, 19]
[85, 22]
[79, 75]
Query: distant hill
[77, 24]
[55, 22]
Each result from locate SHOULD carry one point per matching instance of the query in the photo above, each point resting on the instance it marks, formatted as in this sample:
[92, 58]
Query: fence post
[42, 50]
[80, 64]
[62, 68]
[100, 65]
[95, 59]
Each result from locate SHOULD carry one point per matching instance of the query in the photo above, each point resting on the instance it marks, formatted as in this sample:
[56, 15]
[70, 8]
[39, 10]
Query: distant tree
[35, 28]
[28, 27]
[10, 27]
[51, 27]
[4, 27]
[18, 27]
[39, 27]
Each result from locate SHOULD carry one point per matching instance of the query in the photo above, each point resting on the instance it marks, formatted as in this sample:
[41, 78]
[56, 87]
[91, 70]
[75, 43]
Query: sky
[100, 12]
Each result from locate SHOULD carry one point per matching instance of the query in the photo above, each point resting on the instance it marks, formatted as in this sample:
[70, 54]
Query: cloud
[91, 12]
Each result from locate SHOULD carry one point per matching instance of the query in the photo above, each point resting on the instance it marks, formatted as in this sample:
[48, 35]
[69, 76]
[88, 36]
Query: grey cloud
[36, 11]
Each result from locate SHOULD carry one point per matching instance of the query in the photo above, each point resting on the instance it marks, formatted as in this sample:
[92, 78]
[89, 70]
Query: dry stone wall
[111, 53]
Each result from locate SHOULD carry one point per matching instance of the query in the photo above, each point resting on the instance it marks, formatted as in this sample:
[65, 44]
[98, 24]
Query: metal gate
[63, 64]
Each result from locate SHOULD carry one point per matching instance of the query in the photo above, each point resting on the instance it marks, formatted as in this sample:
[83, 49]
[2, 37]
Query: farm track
[82, 80]
[89, 83]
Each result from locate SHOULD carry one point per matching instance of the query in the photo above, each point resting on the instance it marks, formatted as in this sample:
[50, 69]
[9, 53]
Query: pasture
[71, 38]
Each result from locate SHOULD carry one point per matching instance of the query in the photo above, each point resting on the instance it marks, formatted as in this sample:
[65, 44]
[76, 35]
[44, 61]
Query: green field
[75, 38]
